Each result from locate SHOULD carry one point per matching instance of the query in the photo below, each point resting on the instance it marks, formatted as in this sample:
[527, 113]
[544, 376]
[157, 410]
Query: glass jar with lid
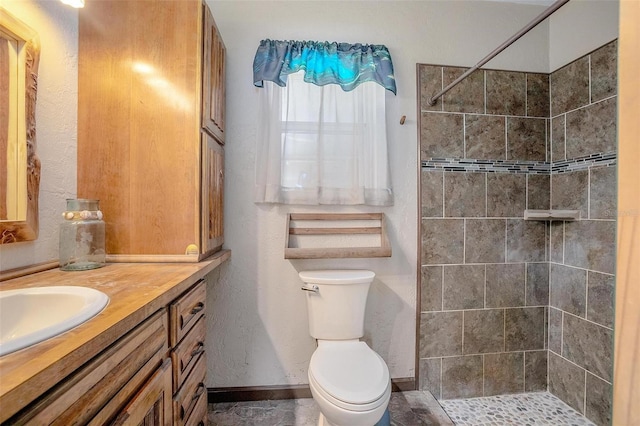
[82, 236]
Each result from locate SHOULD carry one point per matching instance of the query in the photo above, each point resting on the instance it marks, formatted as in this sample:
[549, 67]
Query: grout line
[589, 193]
[504, 330]
[565, 136]
[526, 192]
[505, 242]
[442, 289]
[588, 320]
[464, 241]
[486, 194]
[590, 94]
[580, 268]
[485, 286]
[584, 106]
[443, 213]
[483, 391]
[586, 298]
[503, 307]
[484, 76]
[561, 332]
[519, 116]
[506, 140]
[524, 372]
[526, 274]
[563, 223]
[440, 378]
[475, 354]
[464, 135]
[462, 334]
[526, 94]
[441, 88]
[584, 402]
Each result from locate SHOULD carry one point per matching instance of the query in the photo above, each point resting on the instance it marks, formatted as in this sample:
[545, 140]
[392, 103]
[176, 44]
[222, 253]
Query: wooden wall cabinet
[214, 95]
[150, 98]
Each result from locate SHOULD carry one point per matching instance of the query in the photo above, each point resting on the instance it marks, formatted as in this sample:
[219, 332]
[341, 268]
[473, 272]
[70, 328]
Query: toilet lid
[350, 371]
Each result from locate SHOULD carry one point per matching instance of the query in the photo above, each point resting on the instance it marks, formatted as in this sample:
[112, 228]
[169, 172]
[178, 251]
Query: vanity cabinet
[114, 385]
[153, 375]
[151, 102]
[187, 337]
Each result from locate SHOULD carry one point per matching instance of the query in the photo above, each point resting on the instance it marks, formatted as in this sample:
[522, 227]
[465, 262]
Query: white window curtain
[322, 145]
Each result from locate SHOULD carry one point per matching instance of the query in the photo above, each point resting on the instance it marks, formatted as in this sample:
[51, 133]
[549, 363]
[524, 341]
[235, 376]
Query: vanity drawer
[185, 355]
[190, 399]
[185, 311]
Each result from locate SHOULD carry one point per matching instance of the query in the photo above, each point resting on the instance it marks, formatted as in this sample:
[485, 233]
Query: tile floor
[414, 408]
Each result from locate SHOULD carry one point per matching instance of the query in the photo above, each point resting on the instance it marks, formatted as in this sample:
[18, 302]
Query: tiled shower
[509, 305]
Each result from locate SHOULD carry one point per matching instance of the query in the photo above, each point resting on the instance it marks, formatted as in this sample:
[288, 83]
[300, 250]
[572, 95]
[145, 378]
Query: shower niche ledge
[553, 214]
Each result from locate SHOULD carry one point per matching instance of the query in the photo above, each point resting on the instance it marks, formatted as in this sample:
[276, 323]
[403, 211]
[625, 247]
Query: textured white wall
[580, 27]
[56, 123]
[258, 329]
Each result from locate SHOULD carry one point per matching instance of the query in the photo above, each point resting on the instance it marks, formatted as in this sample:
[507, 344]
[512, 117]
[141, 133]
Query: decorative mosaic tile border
[600, 159]
[486, 166]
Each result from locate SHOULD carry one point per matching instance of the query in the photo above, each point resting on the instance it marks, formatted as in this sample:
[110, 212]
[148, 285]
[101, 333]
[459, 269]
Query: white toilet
[348, 380]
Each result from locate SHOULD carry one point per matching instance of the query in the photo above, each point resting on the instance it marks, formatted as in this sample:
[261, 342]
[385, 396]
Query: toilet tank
[336, 309]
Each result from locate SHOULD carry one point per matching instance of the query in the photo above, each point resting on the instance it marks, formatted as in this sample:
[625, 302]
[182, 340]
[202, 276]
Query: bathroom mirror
[19, 164]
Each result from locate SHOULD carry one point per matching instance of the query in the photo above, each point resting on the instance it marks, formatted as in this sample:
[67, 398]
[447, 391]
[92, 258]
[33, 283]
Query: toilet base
[322, 421]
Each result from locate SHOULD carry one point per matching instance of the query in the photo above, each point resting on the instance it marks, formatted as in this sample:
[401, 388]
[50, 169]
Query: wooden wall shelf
[336, 224]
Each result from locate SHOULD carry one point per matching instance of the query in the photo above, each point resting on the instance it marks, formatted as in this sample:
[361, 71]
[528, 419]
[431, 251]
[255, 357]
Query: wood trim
[418, 300]
[221, 255]
[27, 229]
[626, 392]
[258, 393]
[27, 270]
[336, 216]
[329, 231]
[383, 250]
[403, 384]
[264, 393]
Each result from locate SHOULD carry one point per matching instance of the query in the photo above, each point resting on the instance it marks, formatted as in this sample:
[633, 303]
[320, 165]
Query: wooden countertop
[135, 290]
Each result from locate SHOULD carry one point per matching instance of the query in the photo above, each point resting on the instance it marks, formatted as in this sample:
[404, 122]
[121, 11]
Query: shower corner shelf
[566, 215]
[318, 226]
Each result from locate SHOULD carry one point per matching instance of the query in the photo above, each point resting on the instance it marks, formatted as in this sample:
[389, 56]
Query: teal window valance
[323, 63]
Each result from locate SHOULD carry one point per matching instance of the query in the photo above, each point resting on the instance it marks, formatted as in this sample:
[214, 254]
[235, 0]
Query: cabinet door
[213, 79]
[152, 405]
[212, 194]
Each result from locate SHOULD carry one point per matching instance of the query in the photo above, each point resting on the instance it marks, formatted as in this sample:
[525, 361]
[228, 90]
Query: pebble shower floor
[527, 409]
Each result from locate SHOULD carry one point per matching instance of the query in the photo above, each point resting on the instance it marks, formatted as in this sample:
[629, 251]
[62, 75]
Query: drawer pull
[199, 391]
[199, 306]
[198, 350]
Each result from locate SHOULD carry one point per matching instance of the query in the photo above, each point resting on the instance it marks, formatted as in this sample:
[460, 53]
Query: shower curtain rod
[544, 15]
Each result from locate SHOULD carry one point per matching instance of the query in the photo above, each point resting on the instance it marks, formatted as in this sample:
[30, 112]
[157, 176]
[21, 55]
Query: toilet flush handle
[310, 287]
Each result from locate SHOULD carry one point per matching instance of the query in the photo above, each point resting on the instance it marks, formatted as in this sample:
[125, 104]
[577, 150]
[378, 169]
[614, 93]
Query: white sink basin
[31, 315]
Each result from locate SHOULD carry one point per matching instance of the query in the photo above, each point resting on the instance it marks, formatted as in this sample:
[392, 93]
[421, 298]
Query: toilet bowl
[349, 381]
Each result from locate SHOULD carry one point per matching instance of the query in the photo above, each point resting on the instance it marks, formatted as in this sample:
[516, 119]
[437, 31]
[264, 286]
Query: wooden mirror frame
[25, 230]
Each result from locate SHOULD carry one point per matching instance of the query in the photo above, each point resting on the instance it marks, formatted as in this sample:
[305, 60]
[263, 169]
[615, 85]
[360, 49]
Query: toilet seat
[349, 374]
